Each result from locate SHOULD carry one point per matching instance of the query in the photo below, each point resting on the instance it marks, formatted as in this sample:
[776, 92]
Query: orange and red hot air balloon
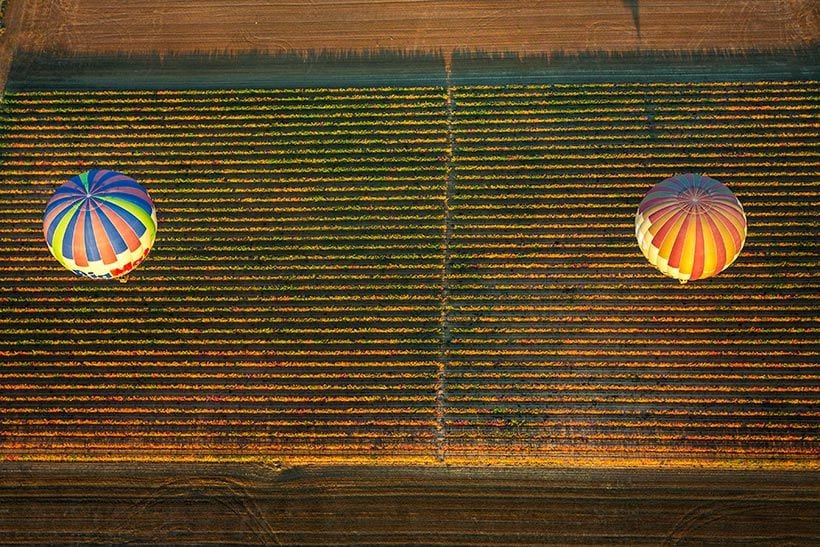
[690, 227]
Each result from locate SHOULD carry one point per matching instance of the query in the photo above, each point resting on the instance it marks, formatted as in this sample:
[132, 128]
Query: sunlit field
[419, 275]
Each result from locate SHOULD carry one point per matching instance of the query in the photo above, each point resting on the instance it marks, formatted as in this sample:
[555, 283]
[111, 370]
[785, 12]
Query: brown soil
[136, 26]
[194, 504]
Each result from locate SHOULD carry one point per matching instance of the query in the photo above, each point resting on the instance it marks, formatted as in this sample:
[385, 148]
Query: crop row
[477, 343]
[264, 110]
[135, 94]
[660, 398]
[106, 136]
[570, 420]
[221, 130]
[740, 105]
[330, 157]
[660, 115]
[499, 132]
[467, 312]
[666, 101]
[205, 168]
[322, 377]
[491, 333]
[126, 148]
[355, 148]
[253, 159]
[541, 95]
[608, 88]
[405, 119]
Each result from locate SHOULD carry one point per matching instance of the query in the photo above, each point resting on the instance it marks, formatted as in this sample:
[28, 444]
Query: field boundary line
[447, 230]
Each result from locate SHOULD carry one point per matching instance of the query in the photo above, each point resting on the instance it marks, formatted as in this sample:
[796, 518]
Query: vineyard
[415, 275]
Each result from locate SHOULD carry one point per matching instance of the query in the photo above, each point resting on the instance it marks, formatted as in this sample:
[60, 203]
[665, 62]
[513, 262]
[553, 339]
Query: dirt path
[137, 26]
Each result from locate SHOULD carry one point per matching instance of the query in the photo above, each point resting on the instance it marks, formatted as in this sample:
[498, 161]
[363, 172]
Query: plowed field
[139, 27]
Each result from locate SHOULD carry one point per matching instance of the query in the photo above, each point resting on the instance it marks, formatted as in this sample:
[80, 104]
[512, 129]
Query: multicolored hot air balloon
[100, 224]
[690, 227]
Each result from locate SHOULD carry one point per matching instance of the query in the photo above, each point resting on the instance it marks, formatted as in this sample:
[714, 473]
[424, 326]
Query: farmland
[298, 307]
[416, 275]
[563, 341]
[520, 27]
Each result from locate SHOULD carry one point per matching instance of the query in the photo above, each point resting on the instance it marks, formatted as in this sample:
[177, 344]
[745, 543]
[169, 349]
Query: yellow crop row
[101, 141]
[622, 399]
[201, 340]
[482, 127]
[278, 365]
[111, 397]
[211, 93]
[609, 88]
[532, 147]
[141, 386]
[335, 119]
[661, 112]
[159, 411]
[654, 308]
[726, 163]
[262, 130]
[542, 375]
[286, 153]
[245, 331]
[246, 353]
[506, 374]
[516, 338]
[326, 375]
[255, 110]
[644, 100]
[204, 422]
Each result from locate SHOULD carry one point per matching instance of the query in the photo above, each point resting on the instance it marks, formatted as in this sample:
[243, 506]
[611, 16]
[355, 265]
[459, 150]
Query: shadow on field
[636, 16]
[349, 68]
[494, 68]
[217, 70]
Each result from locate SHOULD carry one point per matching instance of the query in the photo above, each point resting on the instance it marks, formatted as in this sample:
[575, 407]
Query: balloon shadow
[636, 16]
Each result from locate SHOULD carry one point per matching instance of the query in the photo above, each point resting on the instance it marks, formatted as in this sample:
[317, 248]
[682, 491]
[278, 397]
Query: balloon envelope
[100, 224]
[690, 227]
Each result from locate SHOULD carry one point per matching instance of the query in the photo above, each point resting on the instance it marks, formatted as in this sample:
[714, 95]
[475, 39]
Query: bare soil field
[526, 27]
[258, 505]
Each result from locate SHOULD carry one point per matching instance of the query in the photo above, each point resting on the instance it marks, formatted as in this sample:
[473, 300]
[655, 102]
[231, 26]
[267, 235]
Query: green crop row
[511, 160]
[74, 131]
[610, 87]
[206, 110]
[234, 157]
[99, 142]
[59, 174]
[500, 126]
[216, 93]
[550, 100]
[660, 113]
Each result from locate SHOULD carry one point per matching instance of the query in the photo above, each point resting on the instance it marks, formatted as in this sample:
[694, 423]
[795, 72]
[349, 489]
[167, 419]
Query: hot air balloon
[100, 224]
[690, 227]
